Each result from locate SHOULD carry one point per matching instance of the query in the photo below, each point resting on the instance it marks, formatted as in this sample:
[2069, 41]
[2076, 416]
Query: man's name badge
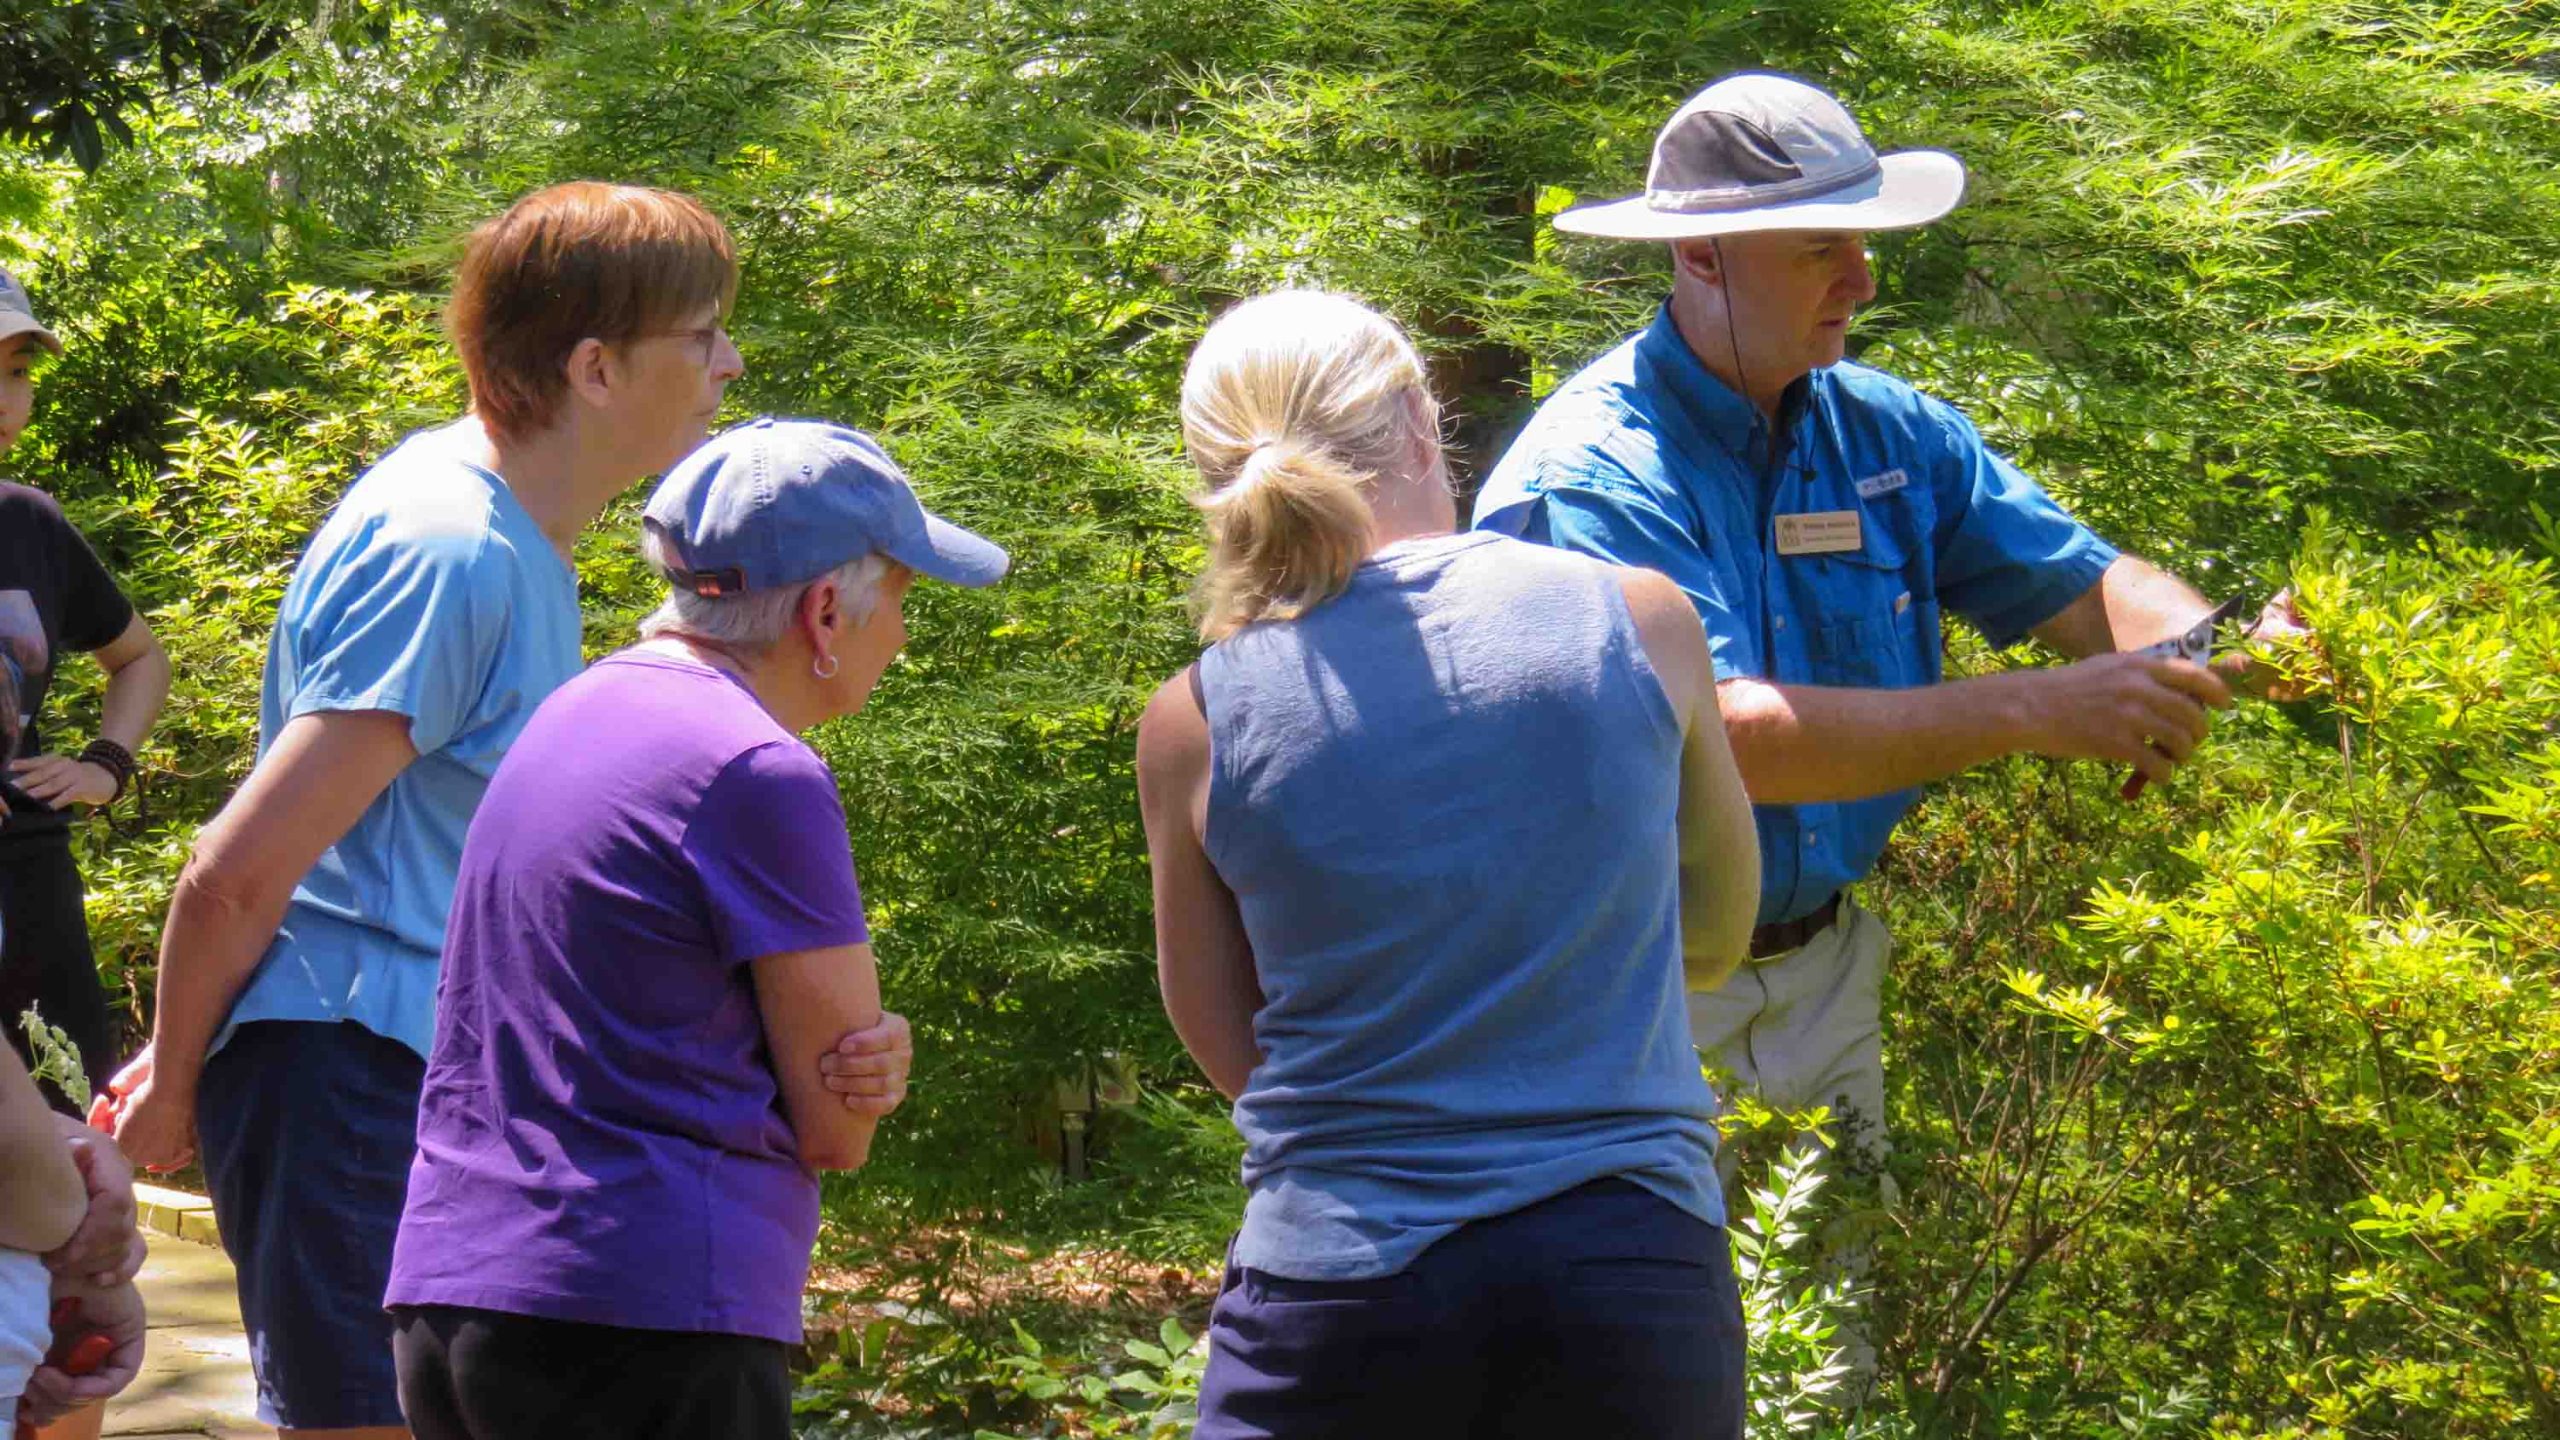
[1820, 532]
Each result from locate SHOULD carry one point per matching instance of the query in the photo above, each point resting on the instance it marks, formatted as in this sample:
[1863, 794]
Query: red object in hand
[77, 1354]
[104, 1109]
[88, 1354]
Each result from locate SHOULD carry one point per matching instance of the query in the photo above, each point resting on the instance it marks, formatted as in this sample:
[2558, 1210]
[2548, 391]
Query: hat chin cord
[1732, 339]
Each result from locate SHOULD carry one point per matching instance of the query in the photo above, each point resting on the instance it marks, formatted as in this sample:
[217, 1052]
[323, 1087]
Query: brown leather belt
[1786, 935]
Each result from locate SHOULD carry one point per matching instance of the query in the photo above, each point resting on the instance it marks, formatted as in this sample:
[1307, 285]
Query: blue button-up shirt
[1646, 458]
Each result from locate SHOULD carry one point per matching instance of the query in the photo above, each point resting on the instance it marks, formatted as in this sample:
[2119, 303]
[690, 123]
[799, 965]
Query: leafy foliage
[57, 1059]
[1794, 1310]
[69, 74]
[2276, 1110]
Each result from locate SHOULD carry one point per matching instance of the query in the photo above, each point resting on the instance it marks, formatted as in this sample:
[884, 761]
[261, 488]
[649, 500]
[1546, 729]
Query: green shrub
[2276, 1109]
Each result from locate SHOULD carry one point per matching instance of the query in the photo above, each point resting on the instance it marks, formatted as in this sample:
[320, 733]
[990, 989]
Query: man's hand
[156, 1125]
[59, 780]
[115, 1312]
[2134, 709]
[868, 1068]
[107, 1249]
[2279, 627]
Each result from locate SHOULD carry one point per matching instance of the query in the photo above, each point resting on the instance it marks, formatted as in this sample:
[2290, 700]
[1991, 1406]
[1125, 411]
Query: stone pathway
[195, 1377]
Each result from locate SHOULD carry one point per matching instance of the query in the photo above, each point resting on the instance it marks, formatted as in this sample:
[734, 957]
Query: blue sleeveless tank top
[1445, 802]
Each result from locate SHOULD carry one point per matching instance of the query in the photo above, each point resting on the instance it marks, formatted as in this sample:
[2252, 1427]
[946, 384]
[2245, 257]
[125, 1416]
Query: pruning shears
[2195, 643]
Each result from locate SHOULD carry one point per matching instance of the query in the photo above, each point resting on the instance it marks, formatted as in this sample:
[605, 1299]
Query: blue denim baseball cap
[781, 502]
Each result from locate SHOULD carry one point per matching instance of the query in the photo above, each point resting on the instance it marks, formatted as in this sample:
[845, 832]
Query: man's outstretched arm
[2137, 603]
[1806, 744]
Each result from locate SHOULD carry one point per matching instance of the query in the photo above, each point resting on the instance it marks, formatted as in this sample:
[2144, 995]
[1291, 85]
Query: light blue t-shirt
[1446, 803]
[1646, 458]
[430, 593]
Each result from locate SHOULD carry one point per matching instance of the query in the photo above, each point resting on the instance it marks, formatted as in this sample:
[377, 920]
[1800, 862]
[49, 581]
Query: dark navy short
[1606, 1313]
[306, 1129]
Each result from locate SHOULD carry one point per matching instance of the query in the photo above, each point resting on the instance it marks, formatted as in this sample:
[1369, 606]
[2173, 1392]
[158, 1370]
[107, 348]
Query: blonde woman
[1443, 826]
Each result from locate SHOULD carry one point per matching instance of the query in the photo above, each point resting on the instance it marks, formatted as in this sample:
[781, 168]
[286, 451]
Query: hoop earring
[833, 665]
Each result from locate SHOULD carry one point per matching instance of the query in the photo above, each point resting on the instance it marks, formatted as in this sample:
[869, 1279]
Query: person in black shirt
[55, 597]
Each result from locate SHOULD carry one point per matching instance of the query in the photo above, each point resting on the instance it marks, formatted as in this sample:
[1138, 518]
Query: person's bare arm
[1803, 744]
[41, 1197]
[108, 1247]
[137, 685]
[809, 1000]
[2135, 603]
[1806, 744]
[1719, 845]
[1204, 963]
[312, 785]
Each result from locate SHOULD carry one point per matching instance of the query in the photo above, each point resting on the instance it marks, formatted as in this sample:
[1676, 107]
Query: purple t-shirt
[601, 1137]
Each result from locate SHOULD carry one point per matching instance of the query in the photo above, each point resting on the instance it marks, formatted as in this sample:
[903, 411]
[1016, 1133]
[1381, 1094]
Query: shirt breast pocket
[1879, 614]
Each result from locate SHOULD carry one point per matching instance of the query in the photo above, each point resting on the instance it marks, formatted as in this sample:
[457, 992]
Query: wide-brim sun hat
[18, 315]
[1759, 152]
[781, 502]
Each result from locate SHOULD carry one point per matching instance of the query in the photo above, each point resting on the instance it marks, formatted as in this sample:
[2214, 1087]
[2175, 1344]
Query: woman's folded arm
[810, 999]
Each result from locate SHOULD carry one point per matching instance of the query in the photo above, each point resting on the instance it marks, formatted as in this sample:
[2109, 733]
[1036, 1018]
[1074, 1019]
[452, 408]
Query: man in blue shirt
[1823, 517]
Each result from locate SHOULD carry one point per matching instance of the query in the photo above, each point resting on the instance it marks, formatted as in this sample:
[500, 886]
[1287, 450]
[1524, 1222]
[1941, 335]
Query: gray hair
[753, 621]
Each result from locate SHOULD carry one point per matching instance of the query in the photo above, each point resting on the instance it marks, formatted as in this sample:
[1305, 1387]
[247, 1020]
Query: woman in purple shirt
[656, 936]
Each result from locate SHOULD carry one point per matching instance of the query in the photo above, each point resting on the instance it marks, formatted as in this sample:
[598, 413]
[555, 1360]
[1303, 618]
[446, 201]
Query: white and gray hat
[1759, 152]
[18, 315]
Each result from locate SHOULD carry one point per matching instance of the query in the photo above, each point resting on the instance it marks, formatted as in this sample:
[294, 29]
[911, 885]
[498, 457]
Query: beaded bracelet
[116, 760]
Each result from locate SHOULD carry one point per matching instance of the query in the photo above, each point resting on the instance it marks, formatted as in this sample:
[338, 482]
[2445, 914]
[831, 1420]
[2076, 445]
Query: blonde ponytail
[1294, 405]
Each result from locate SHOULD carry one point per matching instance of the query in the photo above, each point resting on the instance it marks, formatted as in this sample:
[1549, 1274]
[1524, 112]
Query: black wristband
[116, 760]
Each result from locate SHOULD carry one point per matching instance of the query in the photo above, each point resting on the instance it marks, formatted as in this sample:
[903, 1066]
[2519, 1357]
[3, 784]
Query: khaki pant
[1806, 1028]
[1802, 1029]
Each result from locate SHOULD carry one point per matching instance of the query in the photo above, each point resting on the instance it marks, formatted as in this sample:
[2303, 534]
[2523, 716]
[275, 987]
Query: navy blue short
[1606, 1313]
[307, 1128]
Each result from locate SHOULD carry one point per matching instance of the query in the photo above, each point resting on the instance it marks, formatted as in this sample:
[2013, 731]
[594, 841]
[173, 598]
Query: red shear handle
[86, 1355]
[74, 1353]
